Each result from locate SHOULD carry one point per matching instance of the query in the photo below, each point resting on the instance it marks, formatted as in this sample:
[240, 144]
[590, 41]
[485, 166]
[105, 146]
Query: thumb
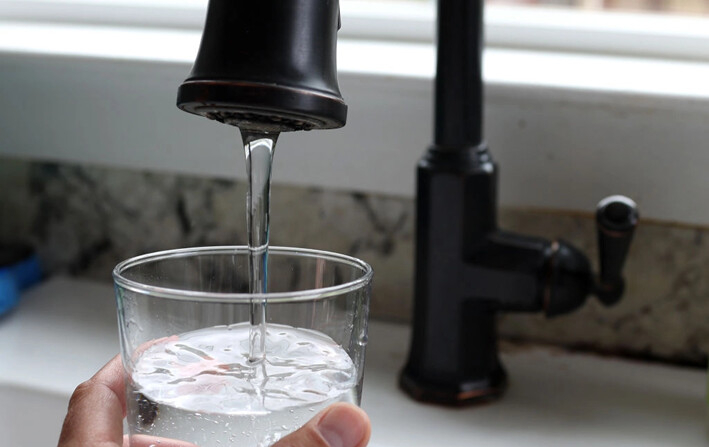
[339, 425]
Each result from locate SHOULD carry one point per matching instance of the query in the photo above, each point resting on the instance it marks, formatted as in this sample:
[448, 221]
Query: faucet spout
[267, 65]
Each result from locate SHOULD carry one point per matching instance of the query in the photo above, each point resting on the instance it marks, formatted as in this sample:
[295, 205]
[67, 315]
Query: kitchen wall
[84, 219]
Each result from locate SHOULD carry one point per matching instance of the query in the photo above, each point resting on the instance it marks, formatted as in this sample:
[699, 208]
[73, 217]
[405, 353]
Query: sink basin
[30, 418]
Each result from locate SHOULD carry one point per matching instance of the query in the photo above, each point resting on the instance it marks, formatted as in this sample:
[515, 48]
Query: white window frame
[542, 28]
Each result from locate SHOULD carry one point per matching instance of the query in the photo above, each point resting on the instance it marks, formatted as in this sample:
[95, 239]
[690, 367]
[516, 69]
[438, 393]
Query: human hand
[98, 406]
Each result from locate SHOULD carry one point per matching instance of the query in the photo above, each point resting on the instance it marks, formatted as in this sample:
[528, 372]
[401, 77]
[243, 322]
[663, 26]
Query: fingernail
[342, 426]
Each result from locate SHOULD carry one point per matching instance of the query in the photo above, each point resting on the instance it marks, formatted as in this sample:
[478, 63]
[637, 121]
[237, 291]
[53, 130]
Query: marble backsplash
[83, 220]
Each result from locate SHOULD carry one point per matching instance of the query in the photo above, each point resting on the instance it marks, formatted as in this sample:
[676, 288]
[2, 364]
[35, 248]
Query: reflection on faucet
[467, 269]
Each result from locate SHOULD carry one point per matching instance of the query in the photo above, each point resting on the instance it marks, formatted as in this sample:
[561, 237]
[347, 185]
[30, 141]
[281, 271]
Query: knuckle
[81, 392]
[85, 391]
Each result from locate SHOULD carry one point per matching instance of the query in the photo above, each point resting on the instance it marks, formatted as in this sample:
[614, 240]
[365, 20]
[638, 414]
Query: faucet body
[454, 344]
[467, 269]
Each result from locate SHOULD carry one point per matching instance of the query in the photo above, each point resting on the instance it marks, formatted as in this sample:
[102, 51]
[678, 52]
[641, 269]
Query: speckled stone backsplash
[83, 220]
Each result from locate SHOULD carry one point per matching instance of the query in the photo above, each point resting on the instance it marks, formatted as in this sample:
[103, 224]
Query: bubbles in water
[180, 372]
[363, 340]
[189, 393]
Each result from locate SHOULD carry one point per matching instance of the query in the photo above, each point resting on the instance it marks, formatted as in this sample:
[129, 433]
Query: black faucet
[467, 269]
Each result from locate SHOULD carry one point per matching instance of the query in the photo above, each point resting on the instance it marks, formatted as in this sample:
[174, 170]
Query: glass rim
[194, 295]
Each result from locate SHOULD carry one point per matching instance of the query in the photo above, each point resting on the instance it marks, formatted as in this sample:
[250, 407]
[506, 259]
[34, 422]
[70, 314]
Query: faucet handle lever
[616, 219]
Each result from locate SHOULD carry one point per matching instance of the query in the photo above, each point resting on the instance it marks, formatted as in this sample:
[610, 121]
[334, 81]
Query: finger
[152, 441]
[96, 410]
[340, 425]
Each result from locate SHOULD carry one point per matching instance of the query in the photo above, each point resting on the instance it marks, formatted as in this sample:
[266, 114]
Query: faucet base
[460, 394]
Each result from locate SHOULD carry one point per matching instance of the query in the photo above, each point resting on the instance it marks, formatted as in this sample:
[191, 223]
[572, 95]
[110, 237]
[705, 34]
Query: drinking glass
[187, 343]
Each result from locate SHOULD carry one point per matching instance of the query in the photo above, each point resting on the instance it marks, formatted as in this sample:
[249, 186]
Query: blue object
[19, 269]
[9, 292]
[27, 272]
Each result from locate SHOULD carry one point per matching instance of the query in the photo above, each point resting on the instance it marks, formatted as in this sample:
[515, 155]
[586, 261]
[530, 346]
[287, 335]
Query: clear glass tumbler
[187, 343]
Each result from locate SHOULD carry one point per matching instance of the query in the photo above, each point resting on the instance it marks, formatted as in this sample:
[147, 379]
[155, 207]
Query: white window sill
[603, 73]
[602, 124]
